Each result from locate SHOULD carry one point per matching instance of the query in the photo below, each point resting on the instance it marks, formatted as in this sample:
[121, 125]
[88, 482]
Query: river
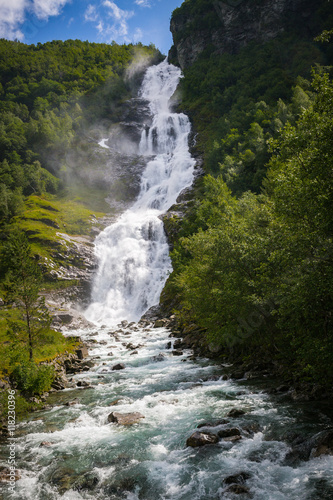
[73, 451]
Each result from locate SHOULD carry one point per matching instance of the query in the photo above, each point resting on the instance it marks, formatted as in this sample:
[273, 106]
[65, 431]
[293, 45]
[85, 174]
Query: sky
[122, 21]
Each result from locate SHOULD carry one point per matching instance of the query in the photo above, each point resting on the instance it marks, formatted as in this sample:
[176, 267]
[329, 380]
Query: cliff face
[225, 26]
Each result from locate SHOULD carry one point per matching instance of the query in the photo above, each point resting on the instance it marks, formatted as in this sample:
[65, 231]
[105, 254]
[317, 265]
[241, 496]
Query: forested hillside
[51, 96]
[253, 258]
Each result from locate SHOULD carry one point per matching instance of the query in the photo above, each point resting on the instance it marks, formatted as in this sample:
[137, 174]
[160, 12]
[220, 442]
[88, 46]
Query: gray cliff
[226, 26]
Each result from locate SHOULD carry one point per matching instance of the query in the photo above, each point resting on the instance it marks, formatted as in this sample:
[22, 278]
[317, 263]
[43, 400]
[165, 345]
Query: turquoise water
[91, 458]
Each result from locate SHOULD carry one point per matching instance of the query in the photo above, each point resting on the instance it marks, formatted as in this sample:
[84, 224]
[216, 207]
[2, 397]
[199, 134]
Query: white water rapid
[133, 254]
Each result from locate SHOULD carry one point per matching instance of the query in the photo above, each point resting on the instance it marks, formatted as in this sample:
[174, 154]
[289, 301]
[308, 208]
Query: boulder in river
[235, 412]
[83, 383]
[160, 323]
[238, 489]
[201, 439]
[237, 478]
[87, 481]
[319, 444]
[118, 366]
[6, 475]
[226, 433]
[158, 357]
[82, 352]
[125, 418]
[221, 421]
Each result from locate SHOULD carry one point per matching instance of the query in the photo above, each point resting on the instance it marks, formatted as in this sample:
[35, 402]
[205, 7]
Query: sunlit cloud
[111, 21]
[143, 3]
[13, 14]
[46, 8]
[91, 13]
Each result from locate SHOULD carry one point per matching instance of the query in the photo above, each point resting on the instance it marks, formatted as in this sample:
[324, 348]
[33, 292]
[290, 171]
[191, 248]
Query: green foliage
[22, 287]
[240, 101]
[258, 273]
[50, 95]
[33, 379]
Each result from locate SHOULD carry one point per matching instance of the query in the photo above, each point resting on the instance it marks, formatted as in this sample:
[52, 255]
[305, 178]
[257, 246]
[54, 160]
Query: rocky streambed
[141, 417]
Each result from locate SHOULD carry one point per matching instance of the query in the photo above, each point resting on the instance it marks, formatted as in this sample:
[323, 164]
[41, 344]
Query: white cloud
[138, 34]
[13, 14]
[11, 17]
[46, 8]
[91, 13]
[117, 28]
[143, 3]
[118, 15]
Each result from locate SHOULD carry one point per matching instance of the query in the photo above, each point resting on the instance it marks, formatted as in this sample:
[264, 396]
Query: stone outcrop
[319, 444]
[236, 23]
[125, 418]
[201, 439]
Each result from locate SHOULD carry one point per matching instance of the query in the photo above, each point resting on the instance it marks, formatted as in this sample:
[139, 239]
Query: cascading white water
[133, 254]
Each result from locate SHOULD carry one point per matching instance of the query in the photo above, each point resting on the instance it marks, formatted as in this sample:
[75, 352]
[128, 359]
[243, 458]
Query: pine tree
[22, 290]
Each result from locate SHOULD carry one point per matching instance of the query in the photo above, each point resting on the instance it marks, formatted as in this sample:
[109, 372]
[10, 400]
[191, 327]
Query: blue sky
[123, 21]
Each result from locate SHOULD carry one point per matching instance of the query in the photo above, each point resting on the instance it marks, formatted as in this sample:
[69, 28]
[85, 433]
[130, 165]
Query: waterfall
[133, 253]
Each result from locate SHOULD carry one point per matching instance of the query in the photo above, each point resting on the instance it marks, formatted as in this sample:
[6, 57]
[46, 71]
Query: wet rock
[87, 364]
[178, 344]
[114, 402]
[224, 433]
[110, 353]
[201, 439]
[232, 439]
[252, 428]
[60, 383]
[158, 357]
[83, 383]
[130, 346]
[45, 443]
[235, 413]
[237, 478]
[317, 445]
[63, 479]
[213, 424]
[238, 489]
[82, 352]
[134, 352]
[6, 475]
[283, 388]
[160, 323]
[125, 418]
[72, 403]
[237, 375]
[177, 353]
[118, 366]
[88, 481]
[169, 345]
[63, 318]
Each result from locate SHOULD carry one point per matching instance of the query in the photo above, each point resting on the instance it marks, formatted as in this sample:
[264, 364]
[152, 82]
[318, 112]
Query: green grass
[47, 219]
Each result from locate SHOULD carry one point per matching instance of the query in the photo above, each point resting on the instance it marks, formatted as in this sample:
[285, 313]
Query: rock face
[125, 418]
[317, 445]
[234, 24]
[201, 439]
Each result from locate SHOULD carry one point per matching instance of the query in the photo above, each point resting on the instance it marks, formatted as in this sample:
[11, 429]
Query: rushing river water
[72, 451]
